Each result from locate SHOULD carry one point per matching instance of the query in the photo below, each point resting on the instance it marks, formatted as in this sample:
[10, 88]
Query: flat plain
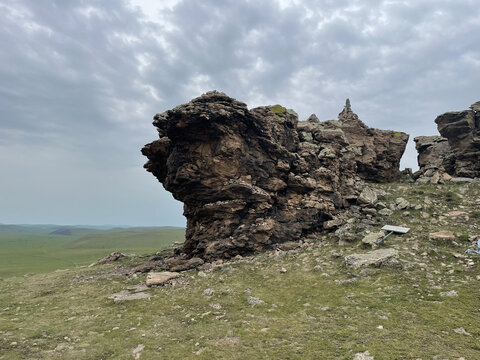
[26, 250]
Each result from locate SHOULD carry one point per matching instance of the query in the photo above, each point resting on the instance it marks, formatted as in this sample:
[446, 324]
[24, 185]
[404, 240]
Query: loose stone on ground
[381, 257]
[126, 295]
[160, 278]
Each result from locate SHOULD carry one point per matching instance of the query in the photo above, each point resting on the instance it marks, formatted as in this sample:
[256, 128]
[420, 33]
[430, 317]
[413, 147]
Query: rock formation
[456, 152]
[245, 177]
[377, 152]
[462, 129]
[434, 156]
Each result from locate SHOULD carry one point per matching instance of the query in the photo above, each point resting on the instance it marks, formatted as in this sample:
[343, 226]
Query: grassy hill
[297, 304]
[35, 249]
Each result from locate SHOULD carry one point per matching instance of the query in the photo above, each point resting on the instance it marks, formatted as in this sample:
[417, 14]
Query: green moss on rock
[278, 109]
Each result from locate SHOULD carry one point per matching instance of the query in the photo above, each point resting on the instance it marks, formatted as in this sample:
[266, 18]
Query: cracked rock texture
[457, 151]
[434, 154]
[462, 129]
[377, 152]
[253, 178]
[245, 177]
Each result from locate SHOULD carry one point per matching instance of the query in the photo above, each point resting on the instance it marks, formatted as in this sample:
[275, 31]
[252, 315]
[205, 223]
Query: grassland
[33, 249]
[314, 307]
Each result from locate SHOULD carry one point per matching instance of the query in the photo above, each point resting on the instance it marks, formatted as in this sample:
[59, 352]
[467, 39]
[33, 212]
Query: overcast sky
[81, 80]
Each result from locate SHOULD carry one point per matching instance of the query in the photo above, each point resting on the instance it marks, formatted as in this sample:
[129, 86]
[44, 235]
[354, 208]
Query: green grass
[24, 253]
[307, 314]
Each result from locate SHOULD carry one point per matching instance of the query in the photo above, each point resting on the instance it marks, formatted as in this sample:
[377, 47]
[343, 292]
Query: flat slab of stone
[125, 295]
[376, 258]
[443, 236]
[461, 180]
[461, 216]
[160, 278]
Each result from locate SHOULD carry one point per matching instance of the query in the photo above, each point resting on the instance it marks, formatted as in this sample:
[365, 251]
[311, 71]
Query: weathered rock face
[434, 155]
[245, 177]
[377, 152]
[462, 129]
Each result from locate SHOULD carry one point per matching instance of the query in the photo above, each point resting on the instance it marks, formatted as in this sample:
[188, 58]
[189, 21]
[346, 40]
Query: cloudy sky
[81, 80]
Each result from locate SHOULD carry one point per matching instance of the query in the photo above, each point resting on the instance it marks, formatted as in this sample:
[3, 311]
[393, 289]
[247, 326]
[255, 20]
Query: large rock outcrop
[377, 152]
[245, 177]
[462, 129]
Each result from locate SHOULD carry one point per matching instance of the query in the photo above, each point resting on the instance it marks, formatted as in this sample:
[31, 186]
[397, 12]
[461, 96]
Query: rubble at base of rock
[252, 178]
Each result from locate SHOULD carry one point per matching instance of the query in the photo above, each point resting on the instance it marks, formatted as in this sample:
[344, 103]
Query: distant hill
[129, 238]
[27, 229]
[62, 231]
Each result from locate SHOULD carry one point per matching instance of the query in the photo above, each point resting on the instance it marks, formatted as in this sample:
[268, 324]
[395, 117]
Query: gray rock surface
[368, 197]
[373, 238]
[381, 257]
[363, 356]
[462, 129]
[160, 278]
[255, 301]
[377, 152]
[451, 293]
[434, 155]
[442, 237]
[208, 292]
[126, 295]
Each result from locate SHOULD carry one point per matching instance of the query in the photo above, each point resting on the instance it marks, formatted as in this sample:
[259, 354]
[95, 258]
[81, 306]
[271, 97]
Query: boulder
[377, 258]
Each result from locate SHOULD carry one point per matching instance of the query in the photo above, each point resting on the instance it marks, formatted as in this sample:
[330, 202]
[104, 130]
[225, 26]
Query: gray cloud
[80, 81]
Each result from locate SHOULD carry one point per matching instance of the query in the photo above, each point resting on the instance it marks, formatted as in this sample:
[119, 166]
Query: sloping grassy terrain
[26, 252]
[298, 304]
